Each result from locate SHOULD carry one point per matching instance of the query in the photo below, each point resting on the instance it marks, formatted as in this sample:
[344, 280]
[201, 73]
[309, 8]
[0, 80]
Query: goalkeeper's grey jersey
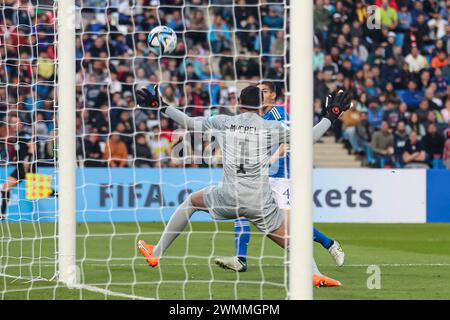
[246, 141]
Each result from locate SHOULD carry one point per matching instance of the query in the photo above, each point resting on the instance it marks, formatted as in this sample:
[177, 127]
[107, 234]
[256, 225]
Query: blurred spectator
[92, 156]
[412, 96]
[350, 120]
[415, 125]
[160, 147]
[400, 139]
[391, 114]
[321, 16]
[440, 60]
[446, 152]
[414, 155]
[383, 145]
[115, 153]
[375, 113]
[416, 61]
[219, 35]
[446, 111]
[404, 19]
[387, 15]
[143, 154]
[389, 71]
[433, 142]
[442, 85]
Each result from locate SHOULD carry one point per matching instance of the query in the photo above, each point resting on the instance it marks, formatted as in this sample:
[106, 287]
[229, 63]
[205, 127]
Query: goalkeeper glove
[152, 100]
[336, 104]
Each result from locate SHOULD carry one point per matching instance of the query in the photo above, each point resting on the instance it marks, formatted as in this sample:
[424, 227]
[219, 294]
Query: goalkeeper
[279, 182]
[246, 141]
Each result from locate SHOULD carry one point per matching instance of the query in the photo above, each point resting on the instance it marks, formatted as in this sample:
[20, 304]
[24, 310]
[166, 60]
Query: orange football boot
[324, 281]
[147, 251]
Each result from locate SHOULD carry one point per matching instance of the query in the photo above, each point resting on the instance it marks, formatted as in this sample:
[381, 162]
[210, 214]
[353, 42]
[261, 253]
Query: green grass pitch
[414, 260]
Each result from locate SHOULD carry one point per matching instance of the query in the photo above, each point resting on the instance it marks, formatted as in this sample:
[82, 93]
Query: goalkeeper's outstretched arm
[320, 129]
[335, 105]
[186, 122]
[146, 99]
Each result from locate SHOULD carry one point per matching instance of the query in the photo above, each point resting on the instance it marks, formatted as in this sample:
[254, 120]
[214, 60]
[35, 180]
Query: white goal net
[130, 174]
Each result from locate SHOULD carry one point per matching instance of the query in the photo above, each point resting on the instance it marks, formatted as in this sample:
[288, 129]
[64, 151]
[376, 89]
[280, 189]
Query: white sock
[175, 226]
[315, 269]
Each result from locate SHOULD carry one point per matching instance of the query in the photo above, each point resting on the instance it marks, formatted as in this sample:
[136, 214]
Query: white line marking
[281, 265]
[79, 286]
[108, 292]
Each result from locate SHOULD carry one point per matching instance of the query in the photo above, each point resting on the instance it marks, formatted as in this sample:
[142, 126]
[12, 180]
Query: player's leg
[281, 189]
[279, 236]
[241, 241]
[174, 227]
[333, 246]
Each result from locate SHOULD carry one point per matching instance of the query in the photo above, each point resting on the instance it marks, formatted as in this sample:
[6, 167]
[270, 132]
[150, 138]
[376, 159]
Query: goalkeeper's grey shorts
[267, 217]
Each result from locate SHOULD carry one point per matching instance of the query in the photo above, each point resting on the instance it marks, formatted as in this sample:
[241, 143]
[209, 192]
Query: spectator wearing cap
[383, 145]
[414, 155]
[389, 48]
[115, 154]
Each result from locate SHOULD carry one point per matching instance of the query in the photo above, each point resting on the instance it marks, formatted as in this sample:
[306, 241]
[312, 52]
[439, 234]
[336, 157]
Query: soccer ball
[162, 40]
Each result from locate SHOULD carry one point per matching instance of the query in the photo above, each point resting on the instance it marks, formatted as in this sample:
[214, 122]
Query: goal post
[67, 149]
[78, 238]
[301, 99]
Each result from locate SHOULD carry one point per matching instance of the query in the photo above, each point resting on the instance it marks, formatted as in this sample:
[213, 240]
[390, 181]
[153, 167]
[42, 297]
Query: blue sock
[241, 237]
[322, 239]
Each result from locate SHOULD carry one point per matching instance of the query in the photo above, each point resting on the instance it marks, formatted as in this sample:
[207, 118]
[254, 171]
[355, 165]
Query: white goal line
[91, 288]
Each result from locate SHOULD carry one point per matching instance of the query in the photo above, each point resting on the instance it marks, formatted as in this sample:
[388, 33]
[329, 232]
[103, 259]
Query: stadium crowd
[398, 73]
[394, 57]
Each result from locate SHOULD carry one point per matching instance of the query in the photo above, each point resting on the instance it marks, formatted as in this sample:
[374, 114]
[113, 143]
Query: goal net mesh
[131, 175]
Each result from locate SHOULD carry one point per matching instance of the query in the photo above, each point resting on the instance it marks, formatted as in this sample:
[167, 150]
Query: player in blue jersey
[279, 181]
